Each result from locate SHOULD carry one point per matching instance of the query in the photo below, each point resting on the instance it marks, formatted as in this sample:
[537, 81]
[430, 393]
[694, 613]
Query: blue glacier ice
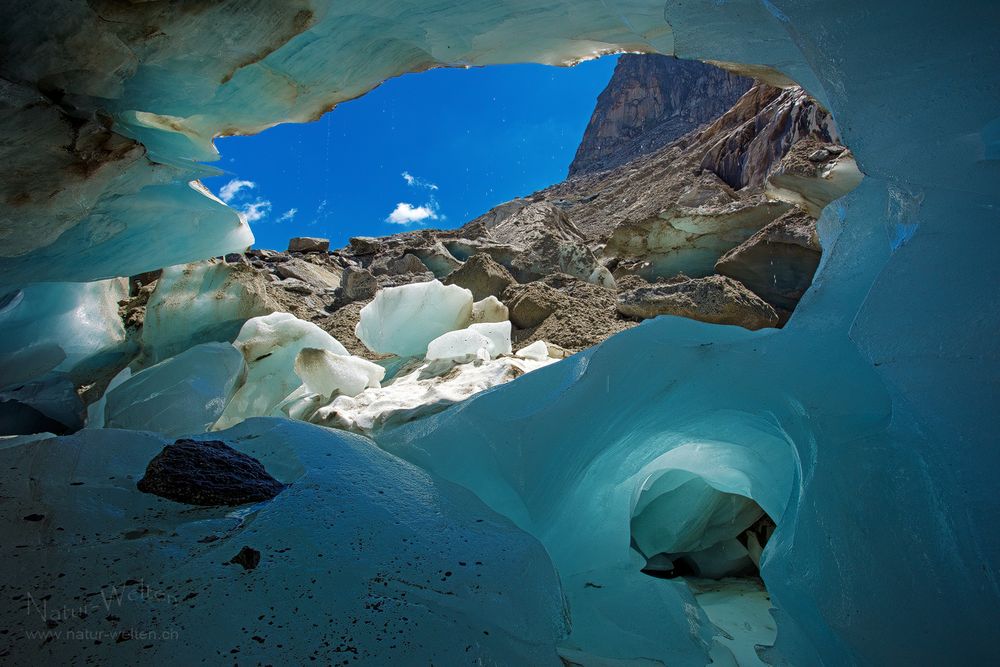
[397, 568]
[181, 395]
[866, 428]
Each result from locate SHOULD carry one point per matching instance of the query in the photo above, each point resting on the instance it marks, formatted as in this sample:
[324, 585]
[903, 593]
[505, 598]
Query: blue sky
[433, 149]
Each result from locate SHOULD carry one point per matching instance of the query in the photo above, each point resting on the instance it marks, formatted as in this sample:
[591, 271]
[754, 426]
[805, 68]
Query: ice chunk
[537, 351]
[58, 326]
[324, 372]
[95, 411]
[419, 390]
[270, 345]
[180, 395]
[462, 345]
[498, 334]
[403, 320]
[489, 310]
[485, 341]
[201, 302]
[368, 543]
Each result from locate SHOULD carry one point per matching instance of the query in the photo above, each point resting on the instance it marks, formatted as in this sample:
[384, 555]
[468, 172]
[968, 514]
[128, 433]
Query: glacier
[865, 428]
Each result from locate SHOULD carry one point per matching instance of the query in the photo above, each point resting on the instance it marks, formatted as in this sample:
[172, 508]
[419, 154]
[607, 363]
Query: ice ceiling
[873, 413]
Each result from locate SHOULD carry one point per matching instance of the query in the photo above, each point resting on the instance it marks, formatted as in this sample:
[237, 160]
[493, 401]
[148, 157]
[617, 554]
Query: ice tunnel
[493, 521]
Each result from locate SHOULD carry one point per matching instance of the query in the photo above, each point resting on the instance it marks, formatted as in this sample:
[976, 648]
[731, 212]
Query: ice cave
[715, 398]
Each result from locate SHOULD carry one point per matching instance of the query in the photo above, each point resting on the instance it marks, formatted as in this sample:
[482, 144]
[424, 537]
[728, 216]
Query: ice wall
[883, 384]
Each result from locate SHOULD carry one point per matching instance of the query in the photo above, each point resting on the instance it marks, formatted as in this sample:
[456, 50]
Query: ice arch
[695, 500]
[885, 380]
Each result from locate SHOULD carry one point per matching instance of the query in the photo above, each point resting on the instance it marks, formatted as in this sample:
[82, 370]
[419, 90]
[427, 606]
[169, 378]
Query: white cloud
[417, 182]
[288, 215]
[228, 191]
[408, 214]
[255, 211]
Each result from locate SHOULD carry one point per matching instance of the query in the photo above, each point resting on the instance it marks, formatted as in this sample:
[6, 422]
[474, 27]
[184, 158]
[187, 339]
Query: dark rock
[358, 285]
[208, 472]
[365, 245]
[715, 299]
[396, 266]
[759, 130]
[650, 101]
[482, 276]
[234, 258]
[778, 262]
[248, 557]
[308, 244]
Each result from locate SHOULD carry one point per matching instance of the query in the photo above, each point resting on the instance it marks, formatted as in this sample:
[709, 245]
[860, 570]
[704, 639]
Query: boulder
[778, 262]
[314, 275]
[530, 304]
[308, 244]
[483, 276]
[397, 265]
[358, 285]
[208, 472]
[365, 245]
[715, 299]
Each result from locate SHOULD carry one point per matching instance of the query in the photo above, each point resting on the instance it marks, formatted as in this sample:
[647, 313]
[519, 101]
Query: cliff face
[649, 102]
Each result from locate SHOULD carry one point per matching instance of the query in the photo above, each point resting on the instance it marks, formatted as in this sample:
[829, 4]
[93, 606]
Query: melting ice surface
[866, 428]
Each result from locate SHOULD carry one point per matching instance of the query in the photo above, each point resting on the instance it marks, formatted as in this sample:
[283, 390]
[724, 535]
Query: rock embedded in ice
[308, 244]
[324, 372]
[208, 472]
[269, 345]
[811, 175]
[403, 320]
[778, 262]
[181, 395]
[716, 299]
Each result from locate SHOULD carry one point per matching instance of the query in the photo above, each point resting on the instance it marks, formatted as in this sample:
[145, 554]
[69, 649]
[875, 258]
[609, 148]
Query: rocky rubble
[716, 224]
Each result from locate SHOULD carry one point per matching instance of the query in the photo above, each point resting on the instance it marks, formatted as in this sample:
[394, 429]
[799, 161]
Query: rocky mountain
[650, 101]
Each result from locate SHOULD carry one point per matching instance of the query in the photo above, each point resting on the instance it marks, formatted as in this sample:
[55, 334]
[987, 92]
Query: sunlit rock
[308, 244]
[482, 275]
[181, 395]
[403, 320]
[813, 174]
[316, 276]
[270, 345]
[715, 299]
